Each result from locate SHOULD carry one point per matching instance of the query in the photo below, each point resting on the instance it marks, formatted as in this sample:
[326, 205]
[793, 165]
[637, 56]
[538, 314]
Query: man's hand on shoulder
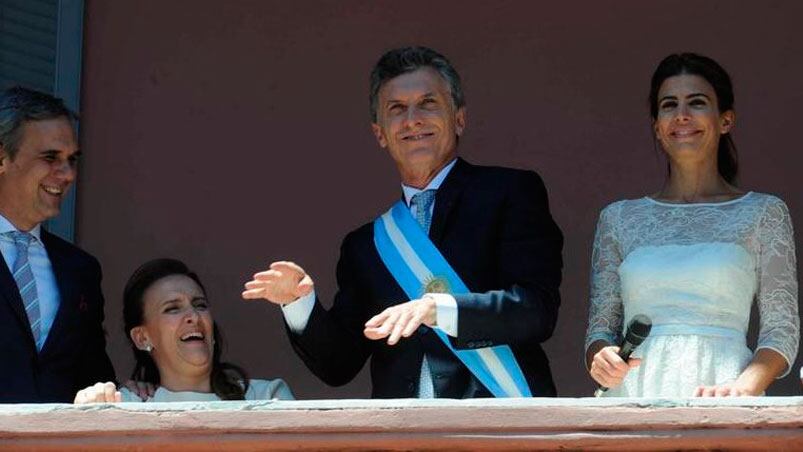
[142, 389]
[402, 320]
[283, 283]
[99, 393]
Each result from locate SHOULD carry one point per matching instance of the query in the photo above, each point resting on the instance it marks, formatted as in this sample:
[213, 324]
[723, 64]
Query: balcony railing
[491, 424]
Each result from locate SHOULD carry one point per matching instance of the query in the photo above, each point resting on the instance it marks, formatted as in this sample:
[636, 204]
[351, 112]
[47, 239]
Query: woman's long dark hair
[718, 78]
[228, 381]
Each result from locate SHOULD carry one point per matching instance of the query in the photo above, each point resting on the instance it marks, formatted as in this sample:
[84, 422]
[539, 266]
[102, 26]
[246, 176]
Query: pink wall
[230, 134]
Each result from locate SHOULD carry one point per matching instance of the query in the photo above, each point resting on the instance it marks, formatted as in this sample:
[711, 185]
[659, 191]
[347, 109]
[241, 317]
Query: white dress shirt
[46, 287]
[297, 313]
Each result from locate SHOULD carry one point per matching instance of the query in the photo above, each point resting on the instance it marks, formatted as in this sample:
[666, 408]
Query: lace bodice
[701, 265]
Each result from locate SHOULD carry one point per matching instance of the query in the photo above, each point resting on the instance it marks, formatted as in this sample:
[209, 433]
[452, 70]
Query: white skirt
[675, 365]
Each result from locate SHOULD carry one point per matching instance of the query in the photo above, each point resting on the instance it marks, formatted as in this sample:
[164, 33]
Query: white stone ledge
[479, 424]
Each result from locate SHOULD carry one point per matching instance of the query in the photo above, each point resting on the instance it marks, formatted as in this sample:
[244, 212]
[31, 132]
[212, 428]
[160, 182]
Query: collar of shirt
[6, 226]
[435, 184]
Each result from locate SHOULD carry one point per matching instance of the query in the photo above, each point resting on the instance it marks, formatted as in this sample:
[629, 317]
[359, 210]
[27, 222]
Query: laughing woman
[176, 343]
[694, 257]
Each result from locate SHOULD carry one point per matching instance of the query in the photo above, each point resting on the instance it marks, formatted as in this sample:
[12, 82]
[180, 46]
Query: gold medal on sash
[436, 284]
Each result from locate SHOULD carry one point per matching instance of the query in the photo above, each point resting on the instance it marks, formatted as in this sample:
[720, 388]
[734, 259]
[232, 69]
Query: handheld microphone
[637, 330]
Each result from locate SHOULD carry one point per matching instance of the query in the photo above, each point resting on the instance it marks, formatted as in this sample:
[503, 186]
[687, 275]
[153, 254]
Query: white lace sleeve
[605, 311]
[777, 292]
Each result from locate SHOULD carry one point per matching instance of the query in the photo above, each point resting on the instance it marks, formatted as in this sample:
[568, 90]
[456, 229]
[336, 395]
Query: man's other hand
[402, 320]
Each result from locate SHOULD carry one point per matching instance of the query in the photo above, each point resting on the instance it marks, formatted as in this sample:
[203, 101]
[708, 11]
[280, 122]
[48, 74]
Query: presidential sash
[419, 268]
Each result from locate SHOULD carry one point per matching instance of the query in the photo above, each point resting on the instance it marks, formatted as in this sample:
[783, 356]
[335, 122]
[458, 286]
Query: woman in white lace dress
[694, 257]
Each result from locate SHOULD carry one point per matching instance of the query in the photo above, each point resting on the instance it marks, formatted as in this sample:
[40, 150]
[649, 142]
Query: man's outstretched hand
[284, 282]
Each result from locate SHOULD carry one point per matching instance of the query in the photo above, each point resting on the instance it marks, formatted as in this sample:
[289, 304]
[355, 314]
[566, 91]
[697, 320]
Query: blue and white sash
[414, 262]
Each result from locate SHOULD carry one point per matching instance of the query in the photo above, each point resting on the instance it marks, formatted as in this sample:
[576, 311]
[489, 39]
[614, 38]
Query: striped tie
[26, 282]
[423, 203]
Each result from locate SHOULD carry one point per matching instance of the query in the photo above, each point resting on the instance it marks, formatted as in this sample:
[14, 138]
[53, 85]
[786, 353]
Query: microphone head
[638, 329]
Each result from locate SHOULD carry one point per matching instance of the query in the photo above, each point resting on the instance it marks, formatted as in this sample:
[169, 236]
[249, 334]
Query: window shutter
[28, 43]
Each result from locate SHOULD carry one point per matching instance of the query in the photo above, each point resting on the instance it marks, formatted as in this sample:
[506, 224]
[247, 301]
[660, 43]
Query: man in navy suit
[52, 341]
[492, 225]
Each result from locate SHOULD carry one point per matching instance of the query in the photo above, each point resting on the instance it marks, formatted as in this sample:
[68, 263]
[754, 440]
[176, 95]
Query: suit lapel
[9, 291]
[65, 281]
[447, 197]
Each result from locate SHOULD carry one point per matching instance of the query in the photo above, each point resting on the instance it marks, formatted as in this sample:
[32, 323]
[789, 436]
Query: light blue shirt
[46, 285]
[297, 313]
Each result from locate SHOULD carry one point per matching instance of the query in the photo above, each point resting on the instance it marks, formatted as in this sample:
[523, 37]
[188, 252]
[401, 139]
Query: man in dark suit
[491, 224]
[52, 341]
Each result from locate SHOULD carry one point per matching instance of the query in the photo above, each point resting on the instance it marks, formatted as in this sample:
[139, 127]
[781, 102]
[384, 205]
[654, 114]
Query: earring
[148, 348]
